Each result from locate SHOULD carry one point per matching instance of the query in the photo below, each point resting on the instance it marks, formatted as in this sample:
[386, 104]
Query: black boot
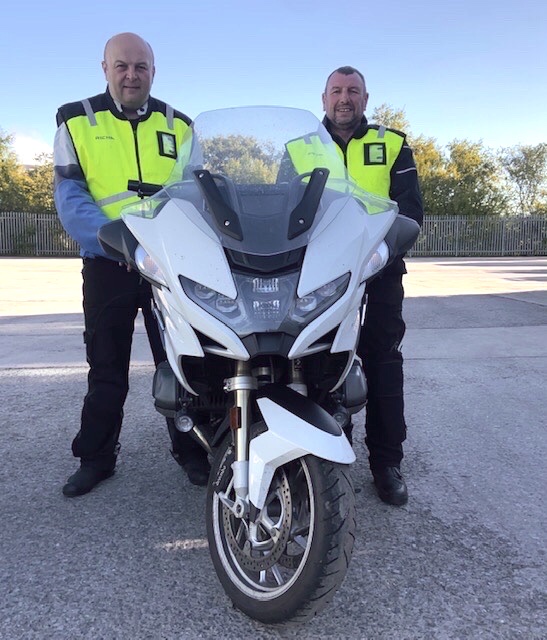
[390, 485]
[189, 454]
[348, 430]
[85, 479]
[195, 463]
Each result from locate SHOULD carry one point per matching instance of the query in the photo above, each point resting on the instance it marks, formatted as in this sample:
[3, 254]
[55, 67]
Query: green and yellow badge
[375, 153]
[168, 144]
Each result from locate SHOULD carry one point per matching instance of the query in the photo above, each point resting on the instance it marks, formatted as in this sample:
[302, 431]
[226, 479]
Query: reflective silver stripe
[170, 115]
[89, 113]
[381, 131]
[63, 149]
[406, 170]
[115, 198]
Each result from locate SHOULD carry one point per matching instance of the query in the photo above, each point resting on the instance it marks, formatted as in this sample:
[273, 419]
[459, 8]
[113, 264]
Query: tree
[526, 167]
[40, 185]
[23, 189]
[390, 117]
[12, 177]
[433, 173]
[474, 180]
[241, 158]
[464, 181]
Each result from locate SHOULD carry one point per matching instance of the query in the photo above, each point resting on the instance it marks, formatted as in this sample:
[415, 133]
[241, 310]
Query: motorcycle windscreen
[249, 172]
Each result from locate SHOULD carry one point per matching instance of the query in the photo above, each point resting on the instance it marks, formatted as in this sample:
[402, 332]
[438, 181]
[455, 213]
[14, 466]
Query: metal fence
[484, 236]
[34, 234]
[41, 234]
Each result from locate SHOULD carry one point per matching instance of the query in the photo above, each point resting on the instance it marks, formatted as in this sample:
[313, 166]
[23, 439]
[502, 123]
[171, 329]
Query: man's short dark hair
[346, 71]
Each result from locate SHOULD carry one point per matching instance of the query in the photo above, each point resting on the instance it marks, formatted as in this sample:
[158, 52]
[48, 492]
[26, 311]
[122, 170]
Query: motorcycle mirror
[402, 235]
[118, 242]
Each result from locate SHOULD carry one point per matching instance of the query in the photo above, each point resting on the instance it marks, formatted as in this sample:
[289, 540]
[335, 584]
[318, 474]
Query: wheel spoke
[241, 533]
[277, 575]
[300, 541]
[270, 527]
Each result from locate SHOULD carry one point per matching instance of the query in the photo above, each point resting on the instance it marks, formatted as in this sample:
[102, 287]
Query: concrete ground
[465, 559]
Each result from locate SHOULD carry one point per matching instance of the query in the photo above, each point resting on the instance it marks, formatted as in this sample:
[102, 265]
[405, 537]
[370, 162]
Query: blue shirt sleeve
[78, 212]
[80, 216]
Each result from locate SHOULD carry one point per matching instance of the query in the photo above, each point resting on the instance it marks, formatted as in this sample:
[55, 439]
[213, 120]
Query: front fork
[242, 384]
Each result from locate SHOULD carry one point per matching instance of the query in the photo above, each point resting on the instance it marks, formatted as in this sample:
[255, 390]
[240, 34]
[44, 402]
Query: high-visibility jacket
[377, 158]
[396, 179]
[97, 150]
[369, 159]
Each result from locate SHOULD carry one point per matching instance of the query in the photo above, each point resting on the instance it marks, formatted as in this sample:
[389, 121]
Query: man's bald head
[129, 69]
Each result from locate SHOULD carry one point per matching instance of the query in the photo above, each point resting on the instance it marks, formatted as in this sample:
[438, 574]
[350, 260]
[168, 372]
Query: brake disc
[249, 557]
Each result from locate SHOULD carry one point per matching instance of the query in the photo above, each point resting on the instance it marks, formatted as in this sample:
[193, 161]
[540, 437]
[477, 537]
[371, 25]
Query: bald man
[101, 143]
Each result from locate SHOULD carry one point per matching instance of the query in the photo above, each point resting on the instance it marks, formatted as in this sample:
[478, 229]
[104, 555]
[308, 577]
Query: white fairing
[180, 246]
[349, 241]
[347, 237]
[202, 259]
[288, 437]
[206, 214]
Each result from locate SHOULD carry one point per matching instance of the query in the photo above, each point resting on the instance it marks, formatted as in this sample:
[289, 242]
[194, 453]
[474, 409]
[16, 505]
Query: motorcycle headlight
[313, 304]
[265, 304]
[149, 268]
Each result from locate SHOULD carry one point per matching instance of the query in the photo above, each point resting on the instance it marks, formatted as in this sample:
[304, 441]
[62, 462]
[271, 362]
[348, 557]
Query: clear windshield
[248, 172]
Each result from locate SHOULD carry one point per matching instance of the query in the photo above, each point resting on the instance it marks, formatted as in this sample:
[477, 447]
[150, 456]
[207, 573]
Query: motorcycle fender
[297, 427]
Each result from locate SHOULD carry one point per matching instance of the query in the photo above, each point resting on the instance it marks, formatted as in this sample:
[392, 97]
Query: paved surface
[464, 559]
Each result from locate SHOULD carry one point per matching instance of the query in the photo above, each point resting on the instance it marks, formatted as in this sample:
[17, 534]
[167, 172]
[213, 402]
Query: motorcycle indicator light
[376, 262]
[148, 267]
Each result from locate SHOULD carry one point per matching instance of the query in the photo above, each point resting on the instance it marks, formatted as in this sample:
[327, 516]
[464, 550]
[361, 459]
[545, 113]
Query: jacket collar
[358, 133]
[116, 107]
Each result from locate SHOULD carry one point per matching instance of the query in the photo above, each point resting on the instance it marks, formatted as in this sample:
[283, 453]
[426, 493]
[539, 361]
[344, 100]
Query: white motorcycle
[259, 271]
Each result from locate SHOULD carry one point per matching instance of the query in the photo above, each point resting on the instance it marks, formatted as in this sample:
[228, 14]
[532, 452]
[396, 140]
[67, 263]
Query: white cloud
[27, 148]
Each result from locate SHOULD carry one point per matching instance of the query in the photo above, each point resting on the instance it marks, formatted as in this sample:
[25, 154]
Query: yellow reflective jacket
[369, 159]
[110, 149]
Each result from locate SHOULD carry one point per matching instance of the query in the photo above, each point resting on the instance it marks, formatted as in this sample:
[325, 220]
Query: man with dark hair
[381, 162]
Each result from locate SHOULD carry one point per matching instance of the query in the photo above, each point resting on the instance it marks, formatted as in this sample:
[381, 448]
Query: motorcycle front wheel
[289, 562]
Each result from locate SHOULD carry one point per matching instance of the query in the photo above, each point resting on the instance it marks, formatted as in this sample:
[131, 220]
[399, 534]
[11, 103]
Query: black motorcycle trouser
[379, 348]
[112, 297]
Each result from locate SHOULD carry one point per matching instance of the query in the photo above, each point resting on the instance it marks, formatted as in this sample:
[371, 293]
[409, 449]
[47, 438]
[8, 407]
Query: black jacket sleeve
[405, 186]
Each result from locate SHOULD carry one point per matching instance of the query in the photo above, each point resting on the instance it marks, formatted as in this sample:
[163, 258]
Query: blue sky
[473, 69]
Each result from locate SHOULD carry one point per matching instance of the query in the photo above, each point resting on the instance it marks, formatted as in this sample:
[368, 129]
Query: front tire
[288, 564]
